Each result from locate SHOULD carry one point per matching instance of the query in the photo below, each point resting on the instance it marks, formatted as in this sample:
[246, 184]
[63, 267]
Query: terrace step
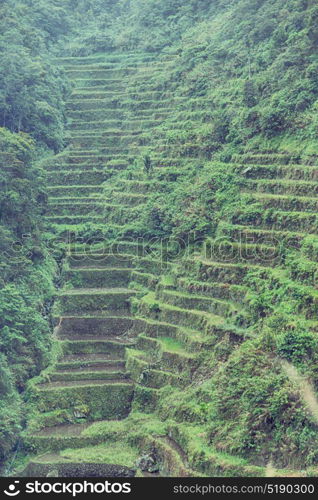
[279, 220]
[95, 277]
[193, 340]
[130, 63]
[83, 345]
[109, 138]
[160, 344]
[284, 187]
[144, 371]
[96, 94]
[61, 200]
[116, 213]
[222, 272]
[101, 115]
[266, 159]
[80, 383]
[246, 253]
[109, 166]
[197, 302]
[146, 280]
[84, 336]
[60, 436]
[78, 190]
[64, 166]
[101, 462]
[290, 203]
[103, 83]
[68, 231]
[185, 317]
[170, 453]
[95, 72]
[73, 220]
[111, 83]
[66, 430]
[78, 360]
[93, 373]
[110, 258]
[77, 177]
[305, 271]
[99, 65]
[248, 234]
[75, 208]
[97, 105]
[93, 299]
[102, 399]
[78, 60]
[130, 199]
[89, 363]
[291, 172]
[91, 164]
[80, 156]
[86, 141]
[128, 93]
[224, 291]
[168, 355]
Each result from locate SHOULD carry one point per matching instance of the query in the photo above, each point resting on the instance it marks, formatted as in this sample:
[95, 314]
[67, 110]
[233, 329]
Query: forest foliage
[254, 61]
[32, 94]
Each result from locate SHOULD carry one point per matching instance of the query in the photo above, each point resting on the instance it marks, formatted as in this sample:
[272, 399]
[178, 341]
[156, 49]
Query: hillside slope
[156, 337]
[254, 60]
[182, 218]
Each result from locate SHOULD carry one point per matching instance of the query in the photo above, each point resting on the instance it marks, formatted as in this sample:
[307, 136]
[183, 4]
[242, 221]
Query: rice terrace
[159, 238]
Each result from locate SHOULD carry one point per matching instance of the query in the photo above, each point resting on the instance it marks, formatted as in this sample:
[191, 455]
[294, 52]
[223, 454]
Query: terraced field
[91, 379]
[129, 323]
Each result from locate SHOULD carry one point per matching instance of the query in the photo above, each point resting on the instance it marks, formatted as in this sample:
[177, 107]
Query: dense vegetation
[32, 91]
[249, 66]
[244, 77]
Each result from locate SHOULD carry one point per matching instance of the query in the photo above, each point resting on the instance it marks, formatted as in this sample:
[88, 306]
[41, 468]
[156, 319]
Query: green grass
[171, 345]
[115, 453]
[167, 280]
[135, 423]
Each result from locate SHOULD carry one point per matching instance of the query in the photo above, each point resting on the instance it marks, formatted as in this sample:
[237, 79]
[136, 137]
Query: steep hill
[173, 346]
[183, 212]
